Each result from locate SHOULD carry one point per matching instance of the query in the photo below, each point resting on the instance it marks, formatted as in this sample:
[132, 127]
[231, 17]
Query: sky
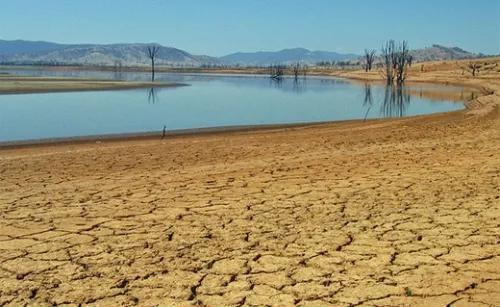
[220, 27]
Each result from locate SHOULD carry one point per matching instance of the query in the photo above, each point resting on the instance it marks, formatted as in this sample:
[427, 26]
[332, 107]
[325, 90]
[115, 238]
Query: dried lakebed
[399, 212]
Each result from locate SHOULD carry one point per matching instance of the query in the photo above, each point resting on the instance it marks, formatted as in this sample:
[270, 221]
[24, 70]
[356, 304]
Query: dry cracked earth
[382, 213]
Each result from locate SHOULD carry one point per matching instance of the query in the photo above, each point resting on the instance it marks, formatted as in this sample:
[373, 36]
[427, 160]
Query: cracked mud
[391, 213]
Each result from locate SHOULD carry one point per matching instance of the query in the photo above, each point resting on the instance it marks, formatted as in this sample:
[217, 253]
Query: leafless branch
[369, 57]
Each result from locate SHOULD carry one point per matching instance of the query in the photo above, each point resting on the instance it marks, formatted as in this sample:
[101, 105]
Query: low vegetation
[475, 67]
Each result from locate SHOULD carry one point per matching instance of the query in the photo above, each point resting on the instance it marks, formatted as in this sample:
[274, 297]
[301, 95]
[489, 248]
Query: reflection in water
[368, 99]
[299, 85]
[276, 82]
[152, 95]
[118, 75]
[296, 86]
[396, 101]
[334, 81]
[468, 95]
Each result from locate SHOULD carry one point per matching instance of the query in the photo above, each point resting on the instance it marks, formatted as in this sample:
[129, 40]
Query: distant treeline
[338, 63]
[40, 63]
[120, 66]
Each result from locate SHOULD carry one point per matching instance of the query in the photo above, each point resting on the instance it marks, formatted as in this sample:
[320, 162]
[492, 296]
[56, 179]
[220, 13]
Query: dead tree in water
[369, 57]
[276, 71]
[396, 61]
[402, 62]
[152, 53]
[296, 70]
[388, 53]
[299, 69]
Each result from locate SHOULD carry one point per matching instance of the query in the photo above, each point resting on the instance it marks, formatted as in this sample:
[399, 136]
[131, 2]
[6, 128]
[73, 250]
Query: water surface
[210, 101]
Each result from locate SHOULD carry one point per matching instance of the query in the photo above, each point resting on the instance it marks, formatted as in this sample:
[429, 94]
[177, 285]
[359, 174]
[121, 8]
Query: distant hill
[433, 53]
[442, 53]
[26, 52]
[9, 48]
[48, 53]
[285, 56]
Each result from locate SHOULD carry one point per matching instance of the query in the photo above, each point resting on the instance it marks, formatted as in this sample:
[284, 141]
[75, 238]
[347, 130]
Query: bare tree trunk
[296, 70]
[388, 51]
[396, 61]
[152, 70]
[277, 71]
[369, 57]
[402, 60]
[152, 52]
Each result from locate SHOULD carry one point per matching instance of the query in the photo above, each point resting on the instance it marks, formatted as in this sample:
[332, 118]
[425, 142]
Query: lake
[211, 101]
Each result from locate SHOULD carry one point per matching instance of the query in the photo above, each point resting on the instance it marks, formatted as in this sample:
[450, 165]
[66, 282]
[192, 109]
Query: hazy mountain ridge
[285, 56]
[40, 52]
[94, 54]
[441, 53]
[9, 48]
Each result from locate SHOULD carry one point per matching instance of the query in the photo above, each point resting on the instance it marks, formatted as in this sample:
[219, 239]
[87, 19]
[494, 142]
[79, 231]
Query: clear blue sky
[219, 27]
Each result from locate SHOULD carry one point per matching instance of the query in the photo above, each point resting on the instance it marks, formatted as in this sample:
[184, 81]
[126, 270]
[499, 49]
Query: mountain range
[19, 52]
[285, 56]
[28, 52]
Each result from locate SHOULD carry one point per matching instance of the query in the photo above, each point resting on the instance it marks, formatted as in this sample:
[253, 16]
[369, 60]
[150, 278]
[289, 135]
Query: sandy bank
[22, 85]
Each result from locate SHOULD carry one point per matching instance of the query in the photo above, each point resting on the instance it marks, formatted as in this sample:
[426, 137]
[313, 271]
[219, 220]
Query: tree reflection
[368, 99]
[396, 101]
[152, 95]
[118, 75]
[297, 86]
[276, 82]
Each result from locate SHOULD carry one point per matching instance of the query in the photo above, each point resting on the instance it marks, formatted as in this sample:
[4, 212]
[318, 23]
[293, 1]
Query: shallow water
[211, 101]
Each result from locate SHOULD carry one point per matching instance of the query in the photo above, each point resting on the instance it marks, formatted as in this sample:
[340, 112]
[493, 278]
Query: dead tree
[369, 57]
[388, 53]
[410, 60]
[402, 61]
[276, 71]
[396, 61]
[474, 68]
[296, 70]
[152, 53]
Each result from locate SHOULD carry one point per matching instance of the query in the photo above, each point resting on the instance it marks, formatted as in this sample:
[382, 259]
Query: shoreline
[146, 135]
[191, 132]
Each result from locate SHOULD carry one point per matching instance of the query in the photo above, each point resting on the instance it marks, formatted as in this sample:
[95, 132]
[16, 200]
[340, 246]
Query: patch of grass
[408, 291]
